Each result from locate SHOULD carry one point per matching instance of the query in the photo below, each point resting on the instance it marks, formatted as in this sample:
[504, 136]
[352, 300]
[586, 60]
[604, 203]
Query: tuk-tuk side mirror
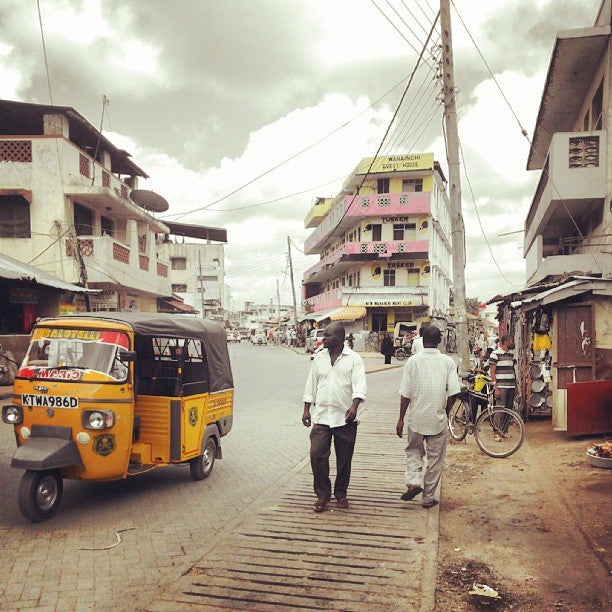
[127, 356]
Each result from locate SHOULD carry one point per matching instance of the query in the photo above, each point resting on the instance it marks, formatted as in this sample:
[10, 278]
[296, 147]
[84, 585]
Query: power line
[480, 220]
[44, 46]
[292, 157]
[525, 134]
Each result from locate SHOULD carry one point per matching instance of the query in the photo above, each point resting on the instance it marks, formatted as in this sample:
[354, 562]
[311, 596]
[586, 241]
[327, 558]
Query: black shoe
[411, 492]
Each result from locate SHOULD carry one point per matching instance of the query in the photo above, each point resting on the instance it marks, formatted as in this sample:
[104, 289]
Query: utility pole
[292, 283]
[277, 302]
[201, 280]
[452, 150]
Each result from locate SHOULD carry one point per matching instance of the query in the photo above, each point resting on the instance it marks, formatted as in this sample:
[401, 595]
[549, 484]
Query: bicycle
[499, 431]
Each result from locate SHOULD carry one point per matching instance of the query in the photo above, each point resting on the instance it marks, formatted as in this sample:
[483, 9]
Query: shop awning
[599, 286]
[348, 313]
[18, 270]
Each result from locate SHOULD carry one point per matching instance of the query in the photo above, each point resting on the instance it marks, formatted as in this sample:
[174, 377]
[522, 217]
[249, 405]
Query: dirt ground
[534, 526]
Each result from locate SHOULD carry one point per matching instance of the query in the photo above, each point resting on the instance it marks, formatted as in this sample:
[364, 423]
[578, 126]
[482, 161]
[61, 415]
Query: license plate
[49, 401]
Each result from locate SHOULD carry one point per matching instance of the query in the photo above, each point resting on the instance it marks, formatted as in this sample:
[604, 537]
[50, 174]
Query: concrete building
[568, 227]
[68, 201]
[197, 269]
[561, 320]
[384, 246]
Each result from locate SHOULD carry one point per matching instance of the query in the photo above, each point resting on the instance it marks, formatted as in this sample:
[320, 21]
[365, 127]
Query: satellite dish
[149, 200]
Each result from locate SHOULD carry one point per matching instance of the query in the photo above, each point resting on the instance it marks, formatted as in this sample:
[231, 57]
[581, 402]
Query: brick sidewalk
[380, 553]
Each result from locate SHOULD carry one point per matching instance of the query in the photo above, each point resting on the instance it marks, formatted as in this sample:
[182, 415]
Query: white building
[197, 269]
[66, 200]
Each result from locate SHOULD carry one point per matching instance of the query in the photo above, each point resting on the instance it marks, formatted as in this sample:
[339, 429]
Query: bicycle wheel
[499, 432]
[458, 418]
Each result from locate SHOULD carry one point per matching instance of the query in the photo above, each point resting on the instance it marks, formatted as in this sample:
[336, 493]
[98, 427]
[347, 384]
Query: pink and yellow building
[384, 245]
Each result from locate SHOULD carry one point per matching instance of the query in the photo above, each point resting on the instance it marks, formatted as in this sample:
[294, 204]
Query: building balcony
[350, 210]
[370, 297]
[110, 262]
[82, 177]
[350, 253]
[572, 186]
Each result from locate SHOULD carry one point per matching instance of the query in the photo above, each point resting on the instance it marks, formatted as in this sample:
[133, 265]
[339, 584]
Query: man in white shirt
[335, 387]
[429, 385]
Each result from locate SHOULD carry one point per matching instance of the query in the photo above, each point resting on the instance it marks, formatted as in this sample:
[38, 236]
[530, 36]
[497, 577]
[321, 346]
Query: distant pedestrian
[503, 377]
[417, 343]
[350, 341]
[429, 385]
[335, 387]
[386, 348]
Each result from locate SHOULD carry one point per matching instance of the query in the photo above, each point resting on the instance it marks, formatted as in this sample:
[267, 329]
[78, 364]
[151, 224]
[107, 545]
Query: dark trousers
[387, 358]
[320, 450]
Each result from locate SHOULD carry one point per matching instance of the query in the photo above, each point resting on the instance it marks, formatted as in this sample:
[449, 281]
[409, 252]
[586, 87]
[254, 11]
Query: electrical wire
[388, 127]
[44, 46]
[525, 134]
[484, 235]
[292, 157]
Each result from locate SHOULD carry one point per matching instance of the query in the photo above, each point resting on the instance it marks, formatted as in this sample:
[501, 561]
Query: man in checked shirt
[427, 391]
[335, 387]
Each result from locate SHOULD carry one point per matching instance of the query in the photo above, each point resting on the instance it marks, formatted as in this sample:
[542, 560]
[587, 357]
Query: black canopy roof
[209, 332]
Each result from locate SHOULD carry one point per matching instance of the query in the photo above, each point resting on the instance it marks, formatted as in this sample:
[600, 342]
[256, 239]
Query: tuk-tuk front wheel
[40, 494]
[201, 467]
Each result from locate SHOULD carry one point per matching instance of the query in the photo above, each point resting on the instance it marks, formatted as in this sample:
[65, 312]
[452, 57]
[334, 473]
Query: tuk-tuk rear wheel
[40, 494]
[201, 467]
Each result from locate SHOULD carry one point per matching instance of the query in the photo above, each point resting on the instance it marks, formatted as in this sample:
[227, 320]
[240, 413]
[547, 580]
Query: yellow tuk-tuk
[104, 396]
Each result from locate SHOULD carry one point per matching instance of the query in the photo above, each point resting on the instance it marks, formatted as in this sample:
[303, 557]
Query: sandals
[411, 492]
[342, 503]
[320, 504]
[430, 504]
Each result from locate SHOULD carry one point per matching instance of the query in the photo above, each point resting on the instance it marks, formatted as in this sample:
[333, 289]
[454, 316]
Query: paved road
[168, 515]
[164, 518]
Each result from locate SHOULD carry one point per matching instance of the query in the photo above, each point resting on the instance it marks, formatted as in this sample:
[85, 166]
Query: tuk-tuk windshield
[68, 353]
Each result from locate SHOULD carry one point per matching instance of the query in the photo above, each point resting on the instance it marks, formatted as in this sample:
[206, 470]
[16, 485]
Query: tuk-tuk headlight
[98, 419]
[13, 415]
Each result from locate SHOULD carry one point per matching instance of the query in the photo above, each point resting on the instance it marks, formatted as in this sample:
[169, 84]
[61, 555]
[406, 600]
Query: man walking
[429, 385]
[335, 387]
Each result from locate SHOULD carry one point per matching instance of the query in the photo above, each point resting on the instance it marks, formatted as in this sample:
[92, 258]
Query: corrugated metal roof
[18, 270]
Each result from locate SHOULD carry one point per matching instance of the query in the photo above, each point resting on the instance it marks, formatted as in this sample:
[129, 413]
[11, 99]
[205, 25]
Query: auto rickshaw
[104, 396]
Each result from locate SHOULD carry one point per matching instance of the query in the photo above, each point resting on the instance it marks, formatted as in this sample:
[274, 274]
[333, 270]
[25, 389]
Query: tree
[472, 306]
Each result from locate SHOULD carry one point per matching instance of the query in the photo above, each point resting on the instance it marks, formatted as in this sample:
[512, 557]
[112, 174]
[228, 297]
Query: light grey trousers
[419, 447]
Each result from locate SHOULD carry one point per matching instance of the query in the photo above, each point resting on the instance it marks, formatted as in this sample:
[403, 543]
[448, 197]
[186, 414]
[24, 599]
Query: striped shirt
[504, 364]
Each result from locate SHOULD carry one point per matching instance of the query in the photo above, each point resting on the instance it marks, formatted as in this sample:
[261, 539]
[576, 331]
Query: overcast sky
[208, 95]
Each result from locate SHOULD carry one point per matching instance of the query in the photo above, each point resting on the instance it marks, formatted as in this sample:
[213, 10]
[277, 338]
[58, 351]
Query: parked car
[259, 338]
[314, 340]
[233, 336]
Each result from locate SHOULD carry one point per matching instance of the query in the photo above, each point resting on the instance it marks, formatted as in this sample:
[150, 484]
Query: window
[382, 185]
[376, 232]
[411, 185]
[179, 288]
[107, 226]
[178, 263]
[389, 278]
[83, 220]
[398, 231]
[596, 107]
[14, 217]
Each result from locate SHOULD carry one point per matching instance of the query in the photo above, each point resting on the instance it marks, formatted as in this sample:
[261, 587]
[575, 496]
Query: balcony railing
[79, 170]
[574, 176]
[351, 209]
[357, 251]
[109, 261]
